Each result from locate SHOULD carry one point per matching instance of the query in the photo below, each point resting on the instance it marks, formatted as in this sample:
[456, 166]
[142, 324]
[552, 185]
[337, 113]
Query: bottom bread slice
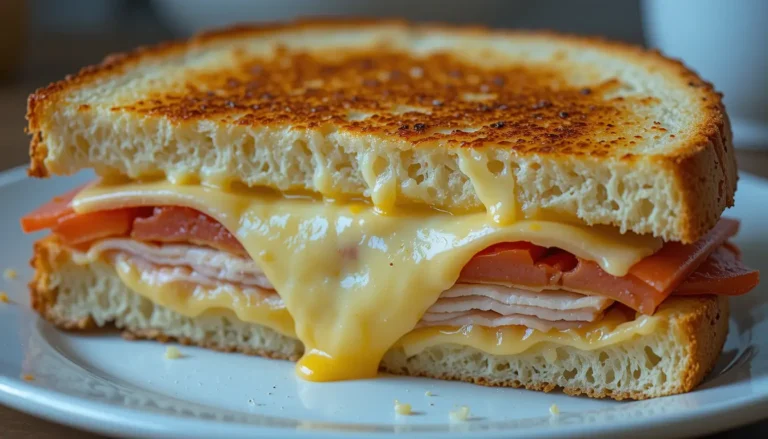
[672, 359]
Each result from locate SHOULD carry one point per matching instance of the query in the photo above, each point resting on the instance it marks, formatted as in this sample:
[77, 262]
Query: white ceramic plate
[103, 383]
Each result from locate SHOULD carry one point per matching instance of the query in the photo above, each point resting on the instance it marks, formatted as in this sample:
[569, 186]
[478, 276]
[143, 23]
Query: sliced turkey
[462, 304]
[204, 261]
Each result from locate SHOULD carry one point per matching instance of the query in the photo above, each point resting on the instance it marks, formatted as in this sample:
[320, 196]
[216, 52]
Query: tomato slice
[76, 229]
[47, 216]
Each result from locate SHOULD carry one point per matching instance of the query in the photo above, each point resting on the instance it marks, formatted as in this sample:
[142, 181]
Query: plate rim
[91, 415]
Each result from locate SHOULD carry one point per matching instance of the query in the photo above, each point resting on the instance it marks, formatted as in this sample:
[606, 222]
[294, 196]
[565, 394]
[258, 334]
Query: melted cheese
[496, 190]
[355, 283]
[618, 325]
[381, 184]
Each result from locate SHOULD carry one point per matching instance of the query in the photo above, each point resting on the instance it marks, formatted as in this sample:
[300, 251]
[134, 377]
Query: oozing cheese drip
[356, 282]
[496, 190]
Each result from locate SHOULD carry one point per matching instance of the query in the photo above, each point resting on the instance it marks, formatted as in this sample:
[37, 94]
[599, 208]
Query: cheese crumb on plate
[172, 353]
[461, 414]
[402, 408]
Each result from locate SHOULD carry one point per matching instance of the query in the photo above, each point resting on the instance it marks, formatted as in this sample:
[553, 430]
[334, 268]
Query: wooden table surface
[13, 152]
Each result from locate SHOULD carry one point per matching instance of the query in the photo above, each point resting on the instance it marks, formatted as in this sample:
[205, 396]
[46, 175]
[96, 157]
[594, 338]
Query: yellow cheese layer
[356, 281]
[617, 326]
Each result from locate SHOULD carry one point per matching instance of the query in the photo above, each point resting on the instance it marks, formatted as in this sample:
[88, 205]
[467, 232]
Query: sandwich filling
[351, 282]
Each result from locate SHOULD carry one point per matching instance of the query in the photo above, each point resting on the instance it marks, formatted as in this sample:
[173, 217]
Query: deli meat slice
[496, 305]
[484, 305]
[493, 320]
[185, 225]
[556, 300]
[722, 271]
[481, 303]
[204, 262]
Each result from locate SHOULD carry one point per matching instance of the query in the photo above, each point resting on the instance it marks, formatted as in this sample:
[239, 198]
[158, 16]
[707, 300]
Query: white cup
[726, 42]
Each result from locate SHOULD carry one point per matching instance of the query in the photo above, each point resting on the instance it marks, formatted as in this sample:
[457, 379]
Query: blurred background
[43, 40]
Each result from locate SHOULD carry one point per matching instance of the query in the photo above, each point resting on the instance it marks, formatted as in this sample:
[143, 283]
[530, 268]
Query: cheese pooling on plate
[353, 280]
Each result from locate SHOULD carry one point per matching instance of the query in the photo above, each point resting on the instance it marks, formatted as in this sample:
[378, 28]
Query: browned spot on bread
[300, 89]
[532, 108]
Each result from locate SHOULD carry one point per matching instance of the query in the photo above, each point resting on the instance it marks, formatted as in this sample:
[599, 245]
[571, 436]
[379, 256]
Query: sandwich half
[504, 208]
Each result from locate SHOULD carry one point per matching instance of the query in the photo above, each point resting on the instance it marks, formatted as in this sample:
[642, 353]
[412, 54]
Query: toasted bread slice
[672, 359]
[605, 132]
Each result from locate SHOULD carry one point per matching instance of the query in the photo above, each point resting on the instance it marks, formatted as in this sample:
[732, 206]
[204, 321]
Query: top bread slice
[608, 133]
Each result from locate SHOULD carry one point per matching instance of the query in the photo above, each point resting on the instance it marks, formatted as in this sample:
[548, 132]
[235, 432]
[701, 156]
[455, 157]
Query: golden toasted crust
[704, 332]
[700, 329]
[532, 105]
[704, 198]
[439, 99]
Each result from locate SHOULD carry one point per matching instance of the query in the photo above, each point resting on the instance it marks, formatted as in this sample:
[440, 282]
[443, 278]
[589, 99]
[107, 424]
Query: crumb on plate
[172, 353]
[428, 393]
[402, 408]
[554, 410]
[4, 297]
[461, 414]
[9, 274]
[28, 377]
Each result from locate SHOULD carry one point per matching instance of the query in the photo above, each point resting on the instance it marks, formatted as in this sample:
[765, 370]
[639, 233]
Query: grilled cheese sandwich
[376, 205]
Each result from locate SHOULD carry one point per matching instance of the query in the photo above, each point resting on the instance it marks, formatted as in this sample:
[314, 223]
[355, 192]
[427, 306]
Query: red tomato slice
[48, 215]
[76, 229]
